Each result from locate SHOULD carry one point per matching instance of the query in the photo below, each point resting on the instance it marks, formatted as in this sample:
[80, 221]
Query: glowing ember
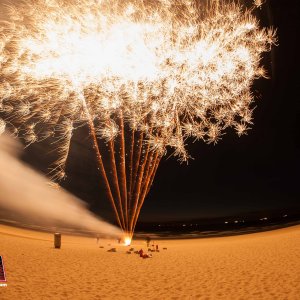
[127, 241]
[164, 71]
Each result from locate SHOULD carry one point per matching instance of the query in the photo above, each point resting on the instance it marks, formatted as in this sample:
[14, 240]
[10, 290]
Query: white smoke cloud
[24, 192]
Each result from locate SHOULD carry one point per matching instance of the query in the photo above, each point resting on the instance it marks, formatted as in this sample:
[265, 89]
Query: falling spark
[164, 71]
[259, 3]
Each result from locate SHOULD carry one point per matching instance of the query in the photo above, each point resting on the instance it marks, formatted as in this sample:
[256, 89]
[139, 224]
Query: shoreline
[160, 235]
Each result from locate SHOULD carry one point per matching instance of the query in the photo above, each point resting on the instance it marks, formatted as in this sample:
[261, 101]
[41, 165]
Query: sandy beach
[254, 266]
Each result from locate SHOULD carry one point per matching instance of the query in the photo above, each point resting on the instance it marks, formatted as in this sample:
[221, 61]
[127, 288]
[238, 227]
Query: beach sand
[255, 266]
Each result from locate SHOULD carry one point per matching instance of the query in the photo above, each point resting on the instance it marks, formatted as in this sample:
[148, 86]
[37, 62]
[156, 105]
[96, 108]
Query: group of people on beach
[148, 254]
[141, 252]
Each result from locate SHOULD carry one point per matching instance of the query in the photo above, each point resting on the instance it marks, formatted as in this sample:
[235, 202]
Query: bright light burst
[127, 241]
[167, 70]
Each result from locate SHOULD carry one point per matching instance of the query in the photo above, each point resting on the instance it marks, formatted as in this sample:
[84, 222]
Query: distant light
[183, 225]
[236, 221]
[226, 222]
[285, 216]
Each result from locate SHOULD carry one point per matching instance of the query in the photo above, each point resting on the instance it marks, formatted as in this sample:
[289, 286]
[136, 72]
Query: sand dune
[255, 266]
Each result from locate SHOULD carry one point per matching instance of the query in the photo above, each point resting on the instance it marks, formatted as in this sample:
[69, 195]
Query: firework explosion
[144, 75]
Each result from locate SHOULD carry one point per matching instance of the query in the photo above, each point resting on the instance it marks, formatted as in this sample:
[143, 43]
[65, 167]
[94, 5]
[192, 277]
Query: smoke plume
[25, 193]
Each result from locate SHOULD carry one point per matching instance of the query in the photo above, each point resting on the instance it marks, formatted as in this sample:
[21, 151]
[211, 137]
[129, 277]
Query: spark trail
[143, 75]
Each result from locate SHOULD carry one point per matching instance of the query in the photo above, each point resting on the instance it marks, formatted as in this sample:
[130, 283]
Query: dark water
[211, 233]
[162, 234]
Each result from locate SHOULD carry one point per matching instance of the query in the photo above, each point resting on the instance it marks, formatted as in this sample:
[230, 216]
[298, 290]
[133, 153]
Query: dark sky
[259, 171]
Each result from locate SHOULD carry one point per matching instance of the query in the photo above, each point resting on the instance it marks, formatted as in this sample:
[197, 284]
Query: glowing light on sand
[127, 241]
[144, 75]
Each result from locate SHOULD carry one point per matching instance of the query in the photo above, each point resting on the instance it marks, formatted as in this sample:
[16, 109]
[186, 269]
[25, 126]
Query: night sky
[259, 171]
